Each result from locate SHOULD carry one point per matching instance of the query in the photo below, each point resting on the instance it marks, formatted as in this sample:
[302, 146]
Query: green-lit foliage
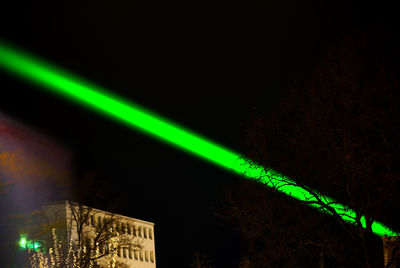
[60, 82]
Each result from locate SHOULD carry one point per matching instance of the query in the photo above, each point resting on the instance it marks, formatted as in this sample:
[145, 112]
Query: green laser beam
[58, 81]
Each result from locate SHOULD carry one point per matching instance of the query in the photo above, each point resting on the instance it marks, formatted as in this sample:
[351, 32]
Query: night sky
[203, 64]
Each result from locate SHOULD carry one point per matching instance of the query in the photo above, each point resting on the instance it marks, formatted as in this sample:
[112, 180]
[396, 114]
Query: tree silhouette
[338, 133]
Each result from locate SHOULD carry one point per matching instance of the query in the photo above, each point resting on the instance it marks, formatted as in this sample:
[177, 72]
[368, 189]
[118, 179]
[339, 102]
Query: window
[128, 227]
[150, 233]
[106, 248]
[99, 222]
[108, 222]
[117, 226]
[146, 255]
[130, 252]
[134, 230]
[136, 254]
[140, 231]
[151, 256]
[123, 228]
[119, 252]
[87, 243]
[124, 252]
[141, 255]
[92, 220]
[145, 232]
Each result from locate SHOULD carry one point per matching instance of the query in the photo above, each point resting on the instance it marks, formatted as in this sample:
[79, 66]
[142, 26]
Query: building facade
[107, 237]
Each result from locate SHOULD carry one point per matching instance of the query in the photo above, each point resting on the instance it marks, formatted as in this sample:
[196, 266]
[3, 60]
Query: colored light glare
[58, 81]
[24, 243]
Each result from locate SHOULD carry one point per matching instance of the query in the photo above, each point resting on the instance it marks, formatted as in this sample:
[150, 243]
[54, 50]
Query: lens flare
[58, 81]
[25, 244]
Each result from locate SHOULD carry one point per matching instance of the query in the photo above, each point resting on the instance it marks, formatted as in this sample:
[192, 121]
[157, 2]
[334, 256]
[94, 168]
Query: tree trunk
[321, 259]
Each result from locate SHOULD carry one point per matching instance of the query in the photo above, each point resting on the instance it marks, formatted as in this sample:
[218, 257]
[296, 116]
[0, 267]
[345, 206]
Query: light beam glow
[58, 81]
[26, 244]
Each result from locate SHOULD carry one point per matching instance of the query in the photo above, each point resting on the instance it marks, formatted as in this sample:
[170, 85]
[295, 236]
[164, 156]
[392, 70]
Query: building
[104, 236]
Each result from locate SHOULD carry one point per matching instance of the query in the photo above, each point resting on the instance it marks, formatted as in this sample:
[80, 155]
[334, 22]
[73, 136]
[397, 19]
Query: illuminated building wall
[60, 214]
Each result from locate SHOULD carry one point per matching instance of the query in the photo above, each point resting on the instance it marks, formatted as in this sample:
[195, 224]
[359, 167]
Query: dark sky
[203, 64]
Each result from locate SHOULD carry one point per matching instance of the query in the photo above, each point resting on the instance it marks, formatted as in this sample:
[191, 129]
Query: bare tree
[338, 133]
[391, 246]
[200, 261]
[106, 239]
